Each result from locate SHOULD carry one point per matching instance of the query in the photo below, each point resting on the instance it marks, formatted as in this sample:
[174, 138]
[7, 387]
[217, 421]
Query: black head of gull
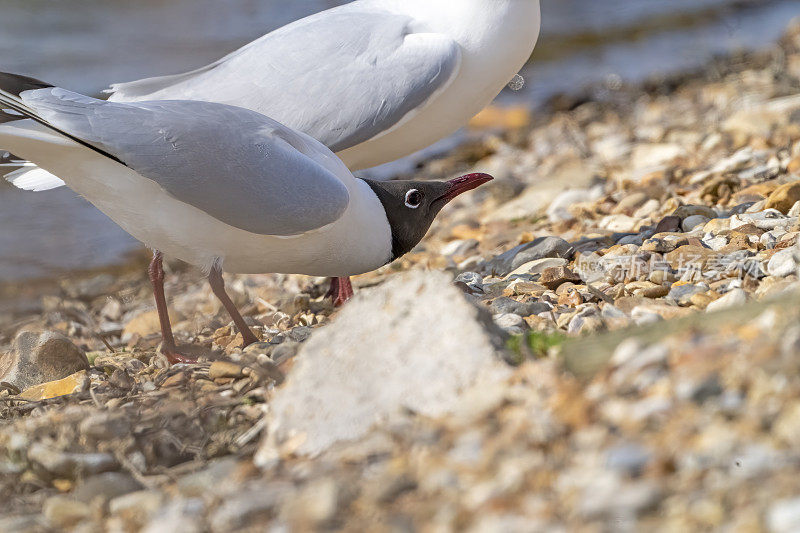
[411, 206]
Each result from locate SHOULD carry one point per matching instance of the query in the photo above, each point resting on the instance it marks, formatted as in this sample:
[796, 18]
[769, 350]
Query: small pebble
[783, 263]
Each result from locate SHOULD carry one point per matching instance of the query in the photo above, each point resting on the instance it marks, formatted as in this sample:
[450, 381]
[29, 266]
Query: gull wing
[238, 166]
[343, 76]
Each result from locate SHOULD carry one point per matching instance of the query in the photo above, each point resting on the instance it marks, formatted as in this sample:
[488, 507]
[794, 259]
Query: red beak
[463, 184]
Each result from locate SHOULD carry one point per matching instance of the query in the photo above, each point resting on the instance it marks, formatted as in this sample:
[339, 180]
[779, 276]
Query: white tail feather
[34, 179]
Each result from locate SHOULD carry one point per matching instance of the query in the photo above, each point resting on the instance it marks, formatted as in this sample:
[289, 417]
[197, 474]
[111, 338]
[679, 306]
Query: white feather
[34, 179]
[18, 163]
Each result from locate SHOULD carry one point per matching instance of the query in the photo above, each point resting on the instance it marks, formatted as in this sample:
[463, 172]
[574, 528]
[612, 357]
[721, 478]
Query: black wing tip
[16, 84]
[9, 117]
[11, 110]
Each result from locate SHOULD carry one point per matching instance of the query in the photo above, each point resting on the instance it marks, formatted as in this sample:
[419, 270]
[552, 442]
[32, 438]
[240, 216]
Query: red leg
[218, 287]
[341, 291]
[168, 347]
[334, 288]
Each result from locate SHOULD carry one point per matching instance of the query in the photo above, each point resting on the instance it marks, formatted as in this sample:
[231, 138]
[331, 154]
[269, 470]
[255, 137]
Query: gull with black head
[218, 186]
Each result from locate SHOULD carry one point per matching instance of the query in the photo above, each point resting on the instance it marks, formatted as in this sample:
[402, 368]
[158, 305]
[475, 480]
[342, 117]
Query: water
[86, 44]
[634, 40]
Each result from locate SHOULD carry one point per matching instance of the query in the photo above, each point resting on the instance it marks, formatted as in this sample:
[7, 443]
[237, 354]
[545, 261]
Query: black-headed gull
[218, 186]
[374, 80]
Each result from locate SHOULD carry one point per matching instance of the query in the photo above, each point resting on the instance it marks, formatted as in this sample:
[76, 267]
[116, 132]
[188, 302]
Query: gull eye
[413, 198]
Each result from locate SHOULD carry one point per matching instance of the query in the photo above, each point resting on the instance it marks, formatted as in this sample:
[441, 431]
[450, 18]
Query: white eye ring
[413, 198]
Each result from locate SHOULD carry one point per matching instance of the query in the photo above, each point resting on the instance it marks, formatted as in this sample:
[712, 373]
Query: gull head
[411, 206]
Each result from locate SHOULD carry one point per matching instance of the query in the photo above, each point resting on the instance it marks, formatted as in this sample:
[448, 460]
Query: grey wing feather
[343, 76]
[236, 165]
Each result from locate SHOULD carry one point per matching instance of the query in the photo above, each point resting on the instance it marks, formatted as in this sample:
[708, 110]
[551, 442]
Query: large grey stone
[415, 343]
[37, 357]
[540, 248]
